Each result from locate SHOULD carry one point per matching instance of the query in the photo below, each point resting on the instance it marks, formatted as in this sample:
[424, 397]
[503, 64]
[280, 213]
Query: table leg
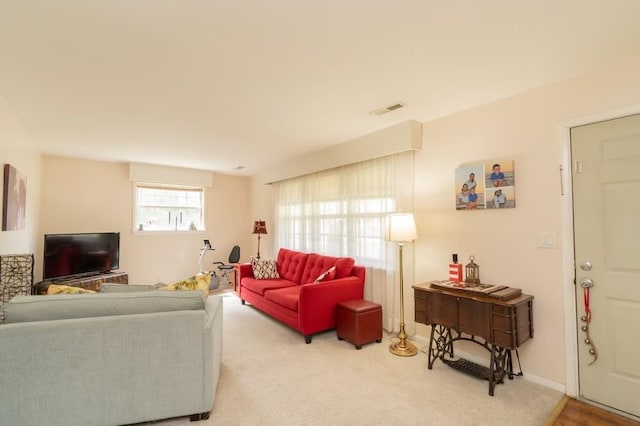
[509, 366]
[492, 379]
[500, 357]
[440, 343]
[430, 354]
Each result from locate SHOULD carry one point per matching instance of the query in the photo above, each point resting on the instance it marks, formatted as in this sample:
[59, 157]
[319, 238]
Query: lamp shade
[259, 227]
[400, 227]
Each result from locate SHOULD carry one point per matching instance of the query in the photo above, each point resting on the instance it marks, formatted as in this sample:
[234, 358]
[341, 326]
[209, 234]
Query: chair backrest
[234, 256]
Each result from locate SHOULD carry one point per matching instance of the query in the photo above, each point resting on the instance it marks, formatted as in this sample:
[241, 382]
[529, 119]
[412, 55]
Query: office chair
[226, 268]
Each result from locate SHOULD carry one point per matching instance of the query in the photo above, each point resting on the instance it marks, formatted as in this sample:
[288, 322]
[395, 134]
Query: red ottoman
[359, 322]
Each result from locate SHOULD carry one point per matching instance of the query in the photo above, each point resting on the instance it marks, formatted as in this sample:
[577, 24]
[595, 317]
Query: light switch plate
[546, 239]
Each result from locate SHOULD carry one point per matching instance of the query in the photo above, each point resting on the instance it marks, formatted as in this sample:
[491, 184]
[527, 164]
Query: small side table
[236, 276]
[16, 277]
[359, 322]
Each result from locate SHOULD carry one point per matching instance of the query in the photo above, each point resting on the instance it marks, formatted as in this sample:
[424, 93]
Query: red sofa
[294, 298]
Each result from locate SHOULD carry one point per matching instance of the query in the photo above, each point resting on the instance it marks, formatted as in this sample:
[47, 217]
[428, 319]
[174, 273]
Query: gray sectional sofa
[109, 359]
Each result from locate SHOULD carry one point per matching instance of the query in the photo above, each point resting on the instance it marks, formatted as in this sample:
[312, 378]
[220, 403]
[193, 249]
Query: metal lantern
[472, 270]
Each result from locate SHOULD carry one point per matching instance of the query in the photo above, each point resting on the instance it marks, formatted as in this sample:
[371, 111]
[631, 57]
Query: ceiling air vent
[389, 108]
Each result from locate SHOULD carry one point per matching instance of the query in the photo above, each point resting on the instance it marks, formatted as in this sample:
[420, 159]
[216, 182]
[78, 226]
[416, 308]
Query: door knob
[586, 265]
[586, 282]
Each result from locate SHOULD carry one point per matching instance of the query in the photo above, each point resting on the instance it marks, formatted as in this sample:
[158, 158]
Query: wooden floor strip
[557, 411]
[571, 412]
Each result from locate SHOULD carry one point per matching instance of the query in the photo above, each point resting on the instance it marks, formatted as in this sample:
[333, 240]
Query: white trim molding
[406, 136]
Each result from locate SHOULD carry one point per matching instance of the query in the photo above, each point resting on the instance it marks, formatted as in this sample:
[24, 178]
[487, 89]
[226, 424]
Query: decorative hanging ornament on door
[586, 284]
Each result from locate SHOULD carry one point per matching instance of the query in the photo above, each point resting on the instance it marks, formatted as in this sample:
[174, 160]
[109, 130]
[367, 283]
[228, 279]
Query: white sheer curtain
[341, 212]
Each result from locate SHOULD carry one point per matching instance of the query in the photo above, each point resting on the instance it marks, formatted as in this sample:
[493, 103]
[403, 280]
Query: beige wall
[94, 196]
[524, 128]
[530, 129]
[17, 150]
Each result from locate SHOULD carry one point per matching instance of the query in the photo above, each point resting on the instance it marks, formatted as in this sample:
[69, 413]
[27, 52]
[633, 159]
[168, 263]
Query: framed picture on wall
[489, 185]
[14, 199]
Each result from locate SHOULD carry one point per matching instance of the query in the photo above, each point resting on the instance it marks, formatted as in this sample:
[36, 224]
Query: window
[339, 227]
[341, 212]
[168, 208]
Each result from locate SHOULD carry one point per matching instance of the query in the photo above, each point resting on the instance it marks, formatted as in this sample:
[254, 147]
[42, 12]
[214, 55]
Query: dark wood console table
[90, 282]
[497, 324]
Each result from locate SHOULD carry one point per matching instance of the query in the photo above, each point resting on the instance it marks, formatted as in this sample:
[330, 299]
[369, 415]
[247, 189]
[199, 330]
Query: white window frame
[179, 228]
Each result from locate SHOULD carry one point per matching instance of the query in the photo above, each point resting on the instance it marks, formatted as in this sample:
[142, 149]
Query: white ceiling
[216, 84]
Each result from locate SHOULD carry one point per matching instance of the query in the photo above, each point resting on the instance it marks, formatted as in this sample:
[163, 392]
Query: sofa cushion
[261, 286]
[317, 264]
[264, 269]
[344, 266]
[287, 297]
[125, 288]
[67, 289]
[291, 264]
[66, 306]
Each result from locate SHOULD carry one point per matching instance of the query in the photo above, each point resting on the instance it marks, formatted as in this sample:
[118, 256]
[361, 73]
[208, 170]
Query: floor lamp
[401, 228]
[259, 227]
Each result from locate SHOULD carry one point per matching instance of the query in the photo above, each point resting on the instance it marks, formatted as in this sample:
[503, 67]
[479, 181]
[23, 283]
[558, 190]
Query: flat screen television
[71, 255]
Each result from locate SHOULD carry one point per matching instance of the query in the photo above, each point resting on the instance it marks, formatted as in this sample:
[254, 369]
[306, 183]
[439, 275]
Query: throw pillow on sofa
[264, 269]
[197, 282]
[67, 289]
[327, 275]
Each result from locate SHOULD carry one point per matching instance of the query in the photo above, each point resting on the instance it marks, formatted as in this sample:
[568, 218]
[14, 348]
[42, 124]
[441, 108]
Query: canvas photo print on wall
[489, 185]
[14, 199]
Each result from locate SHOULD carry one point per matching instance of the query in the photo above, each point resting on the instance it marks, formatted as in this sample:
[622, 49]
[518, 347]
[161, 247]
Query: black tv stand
[89, 282]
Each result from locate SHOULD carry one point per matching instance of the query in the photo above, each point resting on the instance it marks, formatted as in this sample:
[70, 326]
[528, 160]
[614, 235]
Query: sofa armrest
[358, 271]
[245, 270]
[317, 303]
[212, 334]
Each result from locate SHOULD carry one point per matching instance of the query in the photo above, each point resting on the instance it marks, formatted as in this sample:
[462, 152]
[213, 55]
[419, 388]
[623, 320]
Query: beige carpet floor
[269, 376]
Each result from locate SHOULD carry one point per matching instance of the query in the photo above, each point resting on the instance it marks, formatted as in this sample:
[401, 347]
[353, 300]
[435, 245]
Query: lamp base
[403, 348]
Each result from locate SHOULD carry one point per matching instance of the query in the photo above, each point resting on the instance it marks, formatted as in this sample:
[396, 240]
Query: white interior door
[606, 209]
